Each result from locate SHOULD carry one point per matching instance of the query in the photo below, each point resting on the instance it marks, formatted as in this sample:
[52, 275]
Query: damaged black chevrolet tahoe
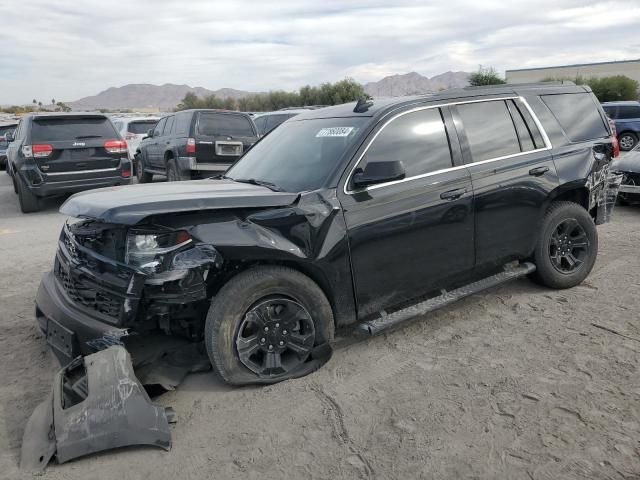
[361, 214]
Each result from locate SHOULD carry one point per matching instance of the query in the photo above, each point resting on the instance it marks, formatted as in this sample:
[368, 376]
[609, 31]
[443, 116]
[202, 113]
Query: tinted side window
[577, 114]
[610, 111]
[531, 125]
[490, 130]
[168, 126]
[628, 111]
[183, 124]
[158, 130]
[418, 139]
[274, 120]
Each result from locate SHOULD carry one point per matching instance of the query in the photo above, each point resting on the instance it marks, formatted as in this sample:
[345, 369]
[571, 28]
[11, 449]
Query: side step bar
[385, 321]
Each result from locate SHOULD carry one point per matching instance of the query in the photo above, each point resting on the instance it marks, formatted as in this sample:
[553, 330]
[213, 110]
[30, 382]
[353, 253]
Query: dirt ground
[518, 382]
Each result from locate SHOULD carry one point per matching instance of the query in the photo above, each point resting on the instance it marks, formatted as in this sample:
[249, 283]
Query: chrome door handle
[453, 194]
[538, 171]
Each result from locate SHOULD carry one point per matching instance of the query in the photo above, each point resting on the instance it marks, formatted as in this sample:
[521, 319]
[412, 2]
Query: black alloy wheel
[275, 337]
[568, 246]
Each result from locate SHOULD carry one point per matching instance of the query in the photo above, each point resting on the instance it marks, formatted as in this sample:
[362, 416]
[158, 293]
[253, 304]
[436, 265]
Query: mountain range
[167, 96]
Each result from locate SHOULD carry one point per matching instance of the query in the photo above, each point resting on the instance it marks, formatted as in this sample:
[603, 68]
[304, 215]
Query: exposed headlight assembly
[146, 250]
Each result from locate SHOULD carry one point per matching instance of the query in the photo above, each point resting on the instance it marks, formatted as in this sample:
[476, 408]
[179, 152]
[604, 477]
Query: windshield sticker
[334, 132]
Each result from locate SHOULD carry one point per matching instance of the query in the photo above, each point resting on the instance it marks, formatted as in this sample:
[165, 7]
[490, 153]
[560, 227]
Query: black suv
[362, 214]
[55, 154]
[191, 143]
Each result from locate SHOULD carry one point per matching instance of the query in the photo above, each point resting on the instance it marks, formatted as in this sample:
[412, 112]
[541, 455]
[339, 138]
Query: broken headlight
[146, 250]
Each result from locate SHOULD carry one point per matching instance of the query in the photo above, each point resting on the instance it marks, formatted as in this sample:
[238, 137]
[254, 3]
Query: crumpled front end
[96, 404]
[95, 296]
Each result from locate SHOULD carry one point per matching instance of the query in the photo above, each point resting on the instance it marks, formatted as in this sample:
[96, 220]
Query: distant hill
[415, 84]
[144, 96]
[147, 96]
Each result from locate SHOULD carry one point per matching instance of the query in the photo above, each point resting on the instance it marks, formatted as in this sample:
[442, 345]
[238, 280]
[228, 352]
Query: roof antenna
[362, 105]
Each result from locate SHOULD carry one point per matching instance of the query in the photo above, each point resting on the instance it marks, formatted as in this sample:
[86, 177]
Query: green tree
[606, 89]
[485, 76]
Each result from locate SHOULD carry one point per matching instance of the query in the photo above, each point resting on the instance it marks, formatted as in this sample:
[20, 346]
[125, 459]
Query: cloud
[68, 50]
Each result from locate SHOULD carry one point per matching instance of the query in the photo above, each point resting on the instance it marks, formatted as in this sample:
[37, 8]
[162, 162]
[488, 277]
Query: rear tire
[279, 298]
[28, 201]
[627, 140]
[567, 247]
[173, 173]
[142, 175]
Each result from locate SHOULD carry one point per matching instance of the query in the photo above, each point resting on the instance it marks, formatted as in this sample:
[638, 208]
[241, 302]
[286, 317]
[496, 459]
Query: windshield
[299, 156]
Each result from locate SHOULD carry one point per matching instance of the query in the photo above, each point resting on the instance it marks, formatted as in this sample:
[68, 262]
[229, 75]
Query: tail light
[2, 139]
[191, 145]
[115, 146]
[614, 139]
[37, 151]
[125, 173]
[130, 136]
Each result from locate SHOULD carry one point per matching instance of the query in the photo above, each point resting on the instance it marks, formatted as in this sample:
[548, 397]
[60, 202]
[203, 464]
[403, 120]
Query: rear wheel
[627, 141]
[173, 173]
[266, 325]
[567, 247]
[142, 175]
[28, 201]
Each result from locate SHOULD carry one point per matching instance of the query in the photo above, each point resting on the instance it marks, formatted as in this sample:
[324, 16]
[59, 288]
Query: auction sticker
[334, 132]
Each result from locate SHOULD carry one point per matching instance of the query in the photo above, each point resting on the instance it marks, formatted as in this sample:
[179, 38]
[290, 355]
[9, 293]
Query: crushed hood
[132, 204]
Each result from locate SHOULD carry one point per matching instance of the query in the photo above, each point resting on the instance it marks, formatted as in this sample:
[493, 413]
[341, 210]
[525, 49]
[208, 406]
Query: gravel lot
[519, 382]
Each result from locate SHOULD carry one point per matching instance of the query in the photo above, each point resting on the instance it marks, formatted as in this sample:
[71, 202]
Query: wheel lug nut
[281, 343]
[262, 340]
[270, 347]
[277, 325]
[266, 329]
[284, 332]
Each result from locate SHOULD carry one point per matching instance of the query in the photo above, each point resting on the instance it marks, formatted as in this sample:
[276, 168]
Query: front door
[412, 236]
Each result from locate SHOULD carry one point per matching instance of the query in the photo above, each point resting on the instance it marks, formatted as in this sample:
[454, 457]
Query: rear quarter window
[141, 127]
[628, 112]
[213, 124]
[55, 129]
[577, 114]
[183, 124]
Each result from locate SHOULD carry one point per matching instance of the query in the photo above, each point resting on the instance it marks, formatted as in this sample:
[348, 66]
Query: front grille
[88, 295]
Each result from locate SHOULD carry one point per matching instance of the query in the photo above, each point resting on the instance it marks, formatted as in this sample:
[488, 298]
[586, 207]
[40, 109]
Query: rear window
[141, 127]
[212, 124]
[53, 129]
[490, 130]
[577, 114]
[628, 112]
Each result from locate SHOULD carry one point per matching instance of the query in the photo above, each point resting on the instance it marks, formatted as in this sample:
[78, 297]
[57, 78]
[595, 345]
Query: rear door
[512, 171]
[222, 137]
[412, 236]
[153, 145]
[77, 143]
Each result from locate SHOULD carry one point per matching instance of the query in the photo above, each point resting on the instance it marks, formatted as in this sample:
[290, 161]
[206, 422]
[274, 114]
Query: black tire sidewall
[242, 292]
[28, 201]
[172, 171]
[546, 273]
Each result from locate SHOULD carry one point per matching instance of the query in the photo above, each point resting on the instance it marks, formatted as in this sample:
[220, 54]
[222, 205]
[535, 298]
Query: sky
[70, 49]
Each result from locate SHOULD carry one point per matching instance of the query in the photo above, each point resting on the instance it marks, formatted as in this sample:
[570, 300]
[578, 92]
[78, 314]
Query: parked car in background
[265, 122]
[5, 127]
[133, 130]
[55, 154]
[626, 116]
[193, 143]
[629, 166]
[368, 213]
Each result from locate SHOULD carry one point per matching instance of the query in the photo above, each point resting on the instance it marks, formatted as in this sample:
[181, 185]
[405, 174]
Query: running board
[385, 321]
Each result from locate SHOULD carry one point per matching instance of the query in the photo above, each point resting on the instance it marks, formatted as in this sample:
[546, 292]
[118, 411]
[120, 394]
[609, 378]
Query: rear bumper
[47, 186]
[190, 163]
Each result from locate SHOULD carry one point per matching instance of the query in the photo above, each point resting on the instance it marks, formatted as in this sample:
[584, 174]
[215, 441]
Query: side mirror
[378, 172]
[9, 136]
[150, 133]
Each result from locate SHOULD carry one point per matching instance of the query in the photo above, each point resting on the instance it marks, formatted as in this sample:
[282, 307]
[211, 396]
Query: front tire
[28, 201]
[567, 247]
[267, 324]
[627, 141]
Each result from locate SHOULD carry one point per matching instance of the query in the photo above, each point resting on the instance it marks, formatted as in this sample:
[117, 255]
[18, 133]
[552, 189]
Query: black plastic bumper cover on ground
[115, 412]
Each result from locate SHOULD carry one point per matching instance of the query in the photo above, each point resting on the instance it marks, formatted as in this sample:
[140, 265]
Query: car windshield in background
[142, 127]
[299, 156]
[52, 129]
[7, 128]
[213, 124]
